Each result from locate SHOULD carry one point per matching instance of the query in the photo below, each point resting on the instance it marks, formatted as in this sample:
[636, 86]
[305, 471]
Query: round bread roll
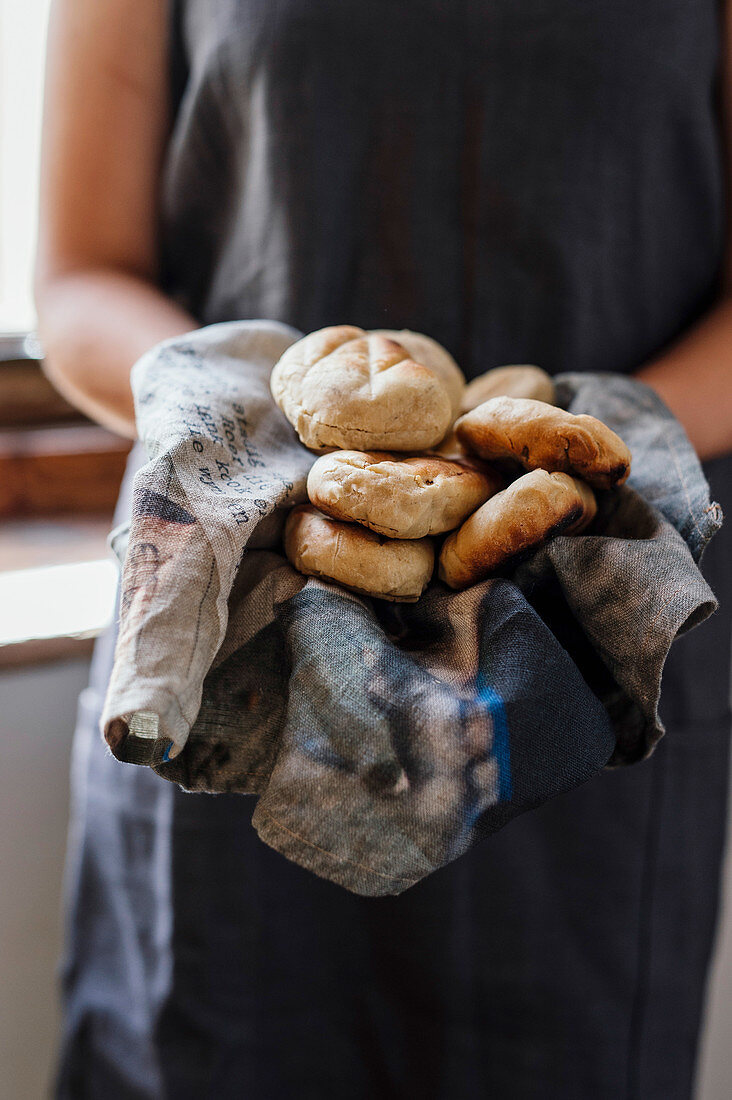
[540, 436]
[423, 349]
[514, 381]
[343, 387]
[358, 559]
[404, 498]
[513, 523]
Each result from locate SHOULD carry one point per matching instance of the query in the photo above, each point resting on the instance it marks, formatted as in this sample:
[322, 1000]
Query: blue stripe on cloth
[501, 740]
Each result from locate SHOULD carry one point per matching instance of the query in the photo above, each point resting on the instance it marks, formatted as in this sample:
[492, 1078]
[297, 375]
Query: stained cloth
[525, 181]
[382, 741]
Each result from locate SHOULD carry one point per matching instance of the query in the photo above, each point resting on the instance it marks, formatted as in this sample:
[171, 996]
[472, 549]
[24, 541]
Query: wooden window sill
[74, 469]
[59, 479]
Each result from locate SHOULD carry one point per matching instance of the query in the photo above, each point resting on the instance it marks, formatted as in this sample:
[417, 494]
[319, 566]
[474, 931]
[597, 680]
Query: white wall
[37, 713]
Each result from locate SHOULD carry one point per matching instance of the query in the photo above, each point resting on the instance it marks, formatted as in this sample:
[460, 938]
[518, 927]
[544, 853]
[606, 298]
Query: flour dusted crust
[513, 381]
[540, 436]
[343, 387]
[358, 559]
[402, 497]
[423, 349]
[514, 522]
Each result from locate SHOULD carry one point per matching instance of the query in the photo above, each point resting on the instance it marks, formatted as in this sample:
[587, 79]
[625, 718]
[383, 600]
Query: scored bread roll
[358, 559]
[402, 497]
[514, 522]
[343, 387]
[540, 436]
[513, 381]
[423, 349]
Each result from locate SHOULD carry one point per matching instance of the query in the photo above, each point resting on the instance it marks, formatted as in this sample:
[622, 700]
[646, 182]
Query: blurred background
[59, 476]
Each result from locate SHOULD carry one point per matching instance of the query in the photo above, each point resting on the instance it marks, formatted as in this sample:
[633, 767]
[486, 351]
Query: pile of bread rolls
[409, 453]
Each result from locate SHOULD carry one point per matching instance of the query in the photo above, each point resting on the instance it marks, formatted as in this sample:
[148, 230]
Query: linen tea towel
[382, 740]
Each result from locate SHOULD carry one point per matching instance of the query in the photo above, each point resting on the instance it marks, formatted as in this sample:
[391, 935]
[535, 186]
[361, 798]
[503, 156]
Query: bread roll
[343, 387]
[514, 522]
[518, 381]
[402, 497]
[423, 349]
[540, 436]
[358, 559]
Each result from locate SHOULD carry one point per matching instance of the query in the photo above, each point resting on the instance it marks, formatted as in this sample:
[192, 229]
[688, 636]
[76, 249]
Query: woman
[525, 182]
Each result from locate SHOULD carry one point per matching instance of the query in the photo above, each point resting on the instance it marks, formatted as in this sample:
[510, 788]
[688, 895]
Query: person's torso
[524, 180]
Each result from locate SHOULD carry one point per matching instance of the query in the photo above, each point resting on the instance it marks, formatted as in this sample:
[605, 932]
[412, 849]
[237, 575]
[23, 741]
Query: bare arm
[104, 130]
[694, 377]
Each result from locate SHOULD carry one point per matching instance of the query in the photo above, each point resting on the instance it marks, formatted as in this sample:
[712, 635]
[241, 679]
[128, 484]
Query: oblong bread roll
[514, 522]
[401, 497]
[423, 349]
[540, 436]
[358, 559]
[512, 381]
[343, 387]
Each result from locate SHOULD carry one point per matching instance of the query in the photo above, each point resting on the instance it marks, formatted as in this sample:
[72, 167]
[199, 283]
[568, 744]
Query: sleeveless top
[524, 181]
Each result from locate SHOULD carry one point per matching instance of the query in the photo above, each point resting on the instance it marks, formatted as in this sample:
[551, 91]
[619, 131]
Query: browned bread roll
[513, 523]
[358, 559]
[540, 436]
[402, 497]
[343, 387]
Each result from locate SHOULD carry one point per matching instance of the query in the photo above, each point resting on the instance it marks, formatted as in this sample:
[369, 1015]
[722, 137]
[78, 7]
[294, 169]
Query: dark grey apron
[526, 181]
